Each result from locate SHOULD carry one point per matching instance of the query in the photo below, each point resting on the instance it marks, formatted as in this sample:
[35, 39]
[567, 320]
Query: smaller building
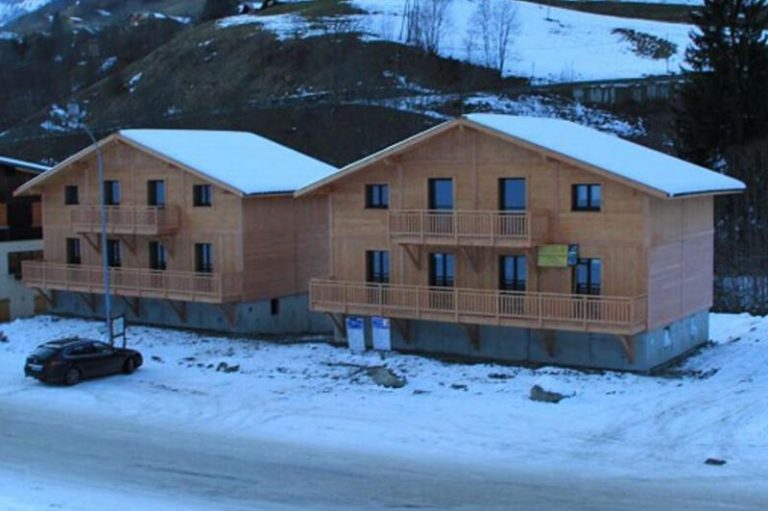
[20, 238]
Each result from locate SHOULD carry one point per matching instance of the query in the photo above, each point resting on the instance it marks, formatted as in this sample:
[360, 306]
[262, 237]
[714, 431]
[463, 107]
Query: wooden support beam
[338, 322]
[180, 308]
[473, 334]
[628, 345]
[403, 327]
[48, 299]
[89, 300]
[414, 253]
[130, 242]
[547, 338]
[133, 303]
[94, 243]
[229, 310]
[473, 255]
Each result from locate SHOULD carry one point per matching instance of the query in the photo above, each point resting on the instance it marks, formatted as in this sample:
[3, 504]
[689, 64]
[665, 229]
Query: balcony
[604, 314]
[468, 228]
[135, 282]
[141, 220]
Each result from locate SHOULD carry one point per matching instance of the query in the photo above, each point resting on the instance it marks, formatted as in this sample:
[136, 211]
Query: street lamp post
[75, 119]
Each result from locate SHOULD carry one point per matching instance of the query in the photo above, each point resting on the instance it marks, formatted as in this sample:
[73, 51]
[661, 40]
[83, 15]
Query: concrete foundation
[574, 349]
[292, 315]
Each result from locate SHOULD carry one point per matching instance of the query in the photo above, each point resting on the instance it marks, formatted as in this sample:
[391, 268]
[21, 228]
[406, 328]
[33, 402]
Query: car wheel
[72, 377]
[129, 366]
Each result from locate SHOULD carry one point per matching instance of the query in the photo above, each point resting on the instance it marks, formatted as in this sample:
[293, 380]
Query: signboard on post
[558, 256]
[382, 338]
[117, 328]
[356, 334]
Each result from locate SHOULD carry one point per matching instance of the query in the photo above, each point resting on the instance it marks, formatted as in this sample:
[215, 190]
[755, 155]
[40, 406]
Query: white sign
[382, 338]
[356, 334]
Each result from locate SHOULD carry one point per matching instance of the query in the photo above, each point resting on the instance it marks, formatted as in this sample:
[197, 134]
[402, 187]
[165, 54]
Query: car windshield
[44, 352]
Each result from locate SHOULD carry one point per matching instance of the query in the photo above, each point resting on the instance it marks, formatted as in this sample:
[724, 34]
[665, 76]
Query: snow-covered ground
[316, 394]
[549, 44]
[12, 9]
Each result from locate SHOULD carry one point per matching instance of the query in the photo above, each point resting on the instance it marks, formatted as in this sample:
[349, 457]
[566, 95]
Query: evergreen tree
[725, 98]
[215, 9]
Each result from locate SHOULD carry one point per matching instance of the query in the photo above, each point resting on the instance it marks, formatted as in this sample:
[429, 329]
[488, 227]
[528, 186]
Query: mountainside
[306, 72]
[12, 9]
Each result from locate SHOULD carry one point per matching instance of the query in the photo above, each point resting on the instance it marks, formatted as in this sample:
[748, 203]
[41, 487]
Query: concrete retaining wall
[252, 318]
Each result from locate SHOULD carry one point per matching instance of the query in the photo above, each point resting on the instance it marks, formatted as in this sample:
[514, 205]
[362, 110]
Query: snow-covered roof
[671, 176]
[243, 161]
[13, 162]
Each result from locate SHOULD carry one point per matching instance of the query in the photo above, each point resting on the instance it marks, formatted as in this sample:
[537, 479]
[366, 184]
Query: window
[377, 196]
[202, 195]
[203, 258]
[587, 277]
[587, 197]
[512, 194]
[156, 193]
[513, 273]
[113, 253]
[73, 251]
[442, 269]
[71, 196]
[440, 194]
[16, 258]
[378, 266]
[112, 193]
[274, 306]
[157, 256]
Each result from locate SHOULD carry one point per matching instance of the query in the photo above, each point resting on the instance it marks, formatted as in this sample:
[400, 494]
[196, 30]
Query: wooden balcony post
[456, 303]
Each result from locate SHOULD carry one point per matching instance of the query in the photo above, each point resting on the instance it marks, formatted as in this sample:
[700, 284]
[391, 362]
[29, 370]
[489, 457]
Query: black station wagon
[70, 360]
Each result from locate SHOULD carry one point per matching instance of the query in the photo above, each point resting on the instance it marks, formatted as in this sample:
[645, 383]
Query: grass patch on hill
[314, 9]
[648, 11]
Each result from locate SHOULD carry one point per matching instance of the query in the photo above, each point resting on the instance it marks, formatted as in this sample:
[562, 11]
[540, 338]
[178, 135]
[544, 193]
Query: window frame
[516, 280]
[152, 195]
[204, 251]
[74, 251]
[71, 199]
[444, 280]
[112, 192]
[200, 199]
[157, 263]
[502, 194]
[589, 286]
[590, 207]
[432, 195]
[380, 259]
[377, 196]
[114, 254]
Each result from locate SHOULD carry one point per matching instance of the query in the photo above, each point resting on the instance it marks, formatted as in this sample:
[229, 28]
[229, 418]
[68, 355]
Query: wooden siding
[651, 249]
[681, 239]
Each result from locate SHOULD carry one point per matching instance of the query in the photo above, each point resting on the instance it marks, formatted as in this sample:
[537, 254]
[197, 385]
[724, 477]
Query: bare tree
[424, 23]
[493, 24]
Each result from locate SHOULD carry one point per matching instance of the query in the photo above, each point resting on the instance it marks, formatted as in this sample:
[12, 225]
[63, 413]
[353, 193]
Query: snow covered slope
[12, 9]
[315, 394]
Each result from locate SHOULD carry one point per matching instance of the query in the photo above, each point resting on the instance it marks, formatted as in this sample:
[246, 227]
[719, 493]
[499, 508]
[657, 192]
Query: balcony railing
[477, 228]
[144, 220]
[608, 314]
[136, 282]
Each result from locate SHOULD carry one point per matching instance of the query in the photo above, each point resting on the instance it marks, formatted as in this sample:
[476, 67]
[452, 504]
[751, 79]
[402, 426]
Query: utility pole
[75, 120]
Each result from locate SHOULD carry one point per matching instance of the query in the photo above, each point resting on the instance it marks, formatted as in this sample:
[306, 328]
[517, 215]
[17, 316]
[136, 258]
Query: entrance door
[442, 274]
[587, 280]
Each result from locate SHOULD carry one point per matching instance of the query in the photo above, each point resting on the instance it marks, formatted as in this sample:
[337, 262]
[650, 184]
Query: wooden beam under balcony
[135, 282]
[540, 311]
[468, 228]
[127, 220]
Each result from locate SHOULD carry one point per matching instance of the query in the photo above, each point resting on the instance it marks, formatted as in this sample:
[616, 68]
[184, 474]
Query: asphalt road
[229, 473]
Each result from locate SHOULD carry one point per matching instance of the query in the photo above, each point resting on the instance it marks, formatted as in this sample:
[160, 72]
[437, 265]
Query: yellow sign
[553, 256]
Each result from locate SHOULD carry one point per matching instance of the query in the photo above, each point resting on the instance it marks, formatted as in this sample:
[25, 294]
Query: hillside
[299, 71]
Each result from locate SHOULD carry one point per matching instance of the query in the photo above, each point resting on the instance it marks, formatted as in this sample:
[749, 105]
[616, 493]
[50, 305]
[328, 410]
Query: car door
[109, 360]
[84, 358]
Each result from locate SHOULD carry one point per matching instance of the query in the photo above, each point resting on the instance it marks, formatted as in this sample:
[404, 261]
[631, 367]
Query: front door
[442, 274]
[587, 281]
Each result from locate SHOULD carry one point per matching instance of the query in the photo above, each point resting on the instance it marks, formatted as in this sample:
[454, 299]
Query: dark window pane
[202, 195]
[15, 260]
[595, 197]
[440, 194]
[204, 257]
[274, 306]
[73, 251]
[512, 194]
[588, 277]
[587, 197]
[113, 253]
[112, 193]
[377, 196]
[514, 273]
[71, 195]
[156, 193]
[442, 269]
[157, 256]
[378, 266]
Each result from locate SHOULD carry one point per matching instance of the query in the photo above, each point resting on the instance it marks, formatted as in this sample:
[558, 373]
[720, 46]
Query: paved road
[232, 474]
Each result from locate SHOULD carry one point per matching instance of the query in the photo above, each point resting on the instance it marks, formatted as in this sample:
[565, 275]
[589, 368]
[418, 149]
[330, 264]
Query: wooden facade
[655, 253]
[262, 246]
